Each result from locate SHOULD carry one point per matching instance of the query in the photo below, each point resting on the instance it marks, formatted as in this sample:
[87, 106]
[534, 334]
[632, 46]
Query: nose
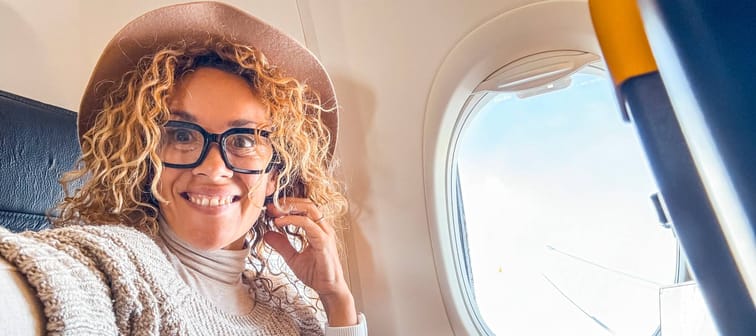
[213, 165]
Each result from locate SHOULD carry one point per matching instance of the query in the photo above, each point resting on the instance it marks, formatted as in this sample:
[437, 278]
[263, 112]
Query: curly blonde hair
[119, 166]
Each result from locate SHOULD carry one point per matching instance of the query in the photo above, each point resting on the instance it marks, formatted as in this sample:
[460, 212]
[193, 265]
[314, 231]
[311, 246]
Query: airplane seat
[685, 78]
[37, 144]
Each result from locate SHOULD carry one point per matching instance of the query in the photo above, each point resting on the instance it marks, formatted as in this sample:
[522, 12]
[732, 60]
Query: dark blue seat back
[706, 52]
[37, 144]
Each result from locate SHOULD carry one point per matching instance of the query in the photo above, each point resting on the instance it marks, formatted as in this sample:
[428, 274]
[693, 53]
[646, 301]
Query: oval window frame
[510, 36]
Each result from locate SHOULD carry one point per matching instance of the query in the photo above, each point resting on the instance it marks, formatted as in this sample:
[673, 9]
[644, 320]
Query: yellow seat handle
[622, 39]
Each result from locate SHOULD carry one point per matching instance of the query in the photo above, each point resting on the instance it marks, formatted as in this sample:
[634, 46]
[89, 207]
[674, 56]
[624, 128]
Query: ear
[270, 188]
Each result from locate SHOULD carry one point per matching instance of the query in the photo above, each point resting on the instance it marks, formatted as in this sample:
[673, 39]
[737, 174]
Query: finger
[295, 206]
[325, 225]
[280, 243]
[315, 234]
[301, 207]
[320, 221]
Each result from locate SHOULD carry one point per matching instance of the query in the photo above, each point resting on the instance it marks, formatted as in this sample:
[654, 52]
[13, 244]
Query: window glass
[562, 236]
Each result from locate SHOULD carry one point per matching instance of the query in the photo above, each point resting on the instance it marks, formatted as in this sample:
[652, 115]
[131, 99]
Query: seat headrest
[37, 144]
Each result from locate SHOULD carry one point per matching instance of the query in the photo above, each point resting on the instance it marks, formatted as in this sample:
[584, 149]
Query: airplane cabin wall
[50, 47]
[382, 56]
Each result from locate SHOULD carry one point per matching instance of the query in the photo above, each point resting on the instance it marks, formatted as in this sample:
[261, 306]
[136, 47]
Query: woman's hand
[317, 265]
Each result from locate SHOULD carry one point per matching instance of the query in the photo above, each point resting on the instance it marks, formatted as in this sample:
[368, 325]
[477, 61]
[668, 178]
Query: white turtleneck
[216, 275]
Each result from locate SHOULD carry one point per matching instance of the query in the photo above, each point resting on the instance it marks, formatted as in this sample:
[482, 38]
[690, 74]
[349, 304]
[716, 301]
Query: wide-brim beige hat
[201, 21]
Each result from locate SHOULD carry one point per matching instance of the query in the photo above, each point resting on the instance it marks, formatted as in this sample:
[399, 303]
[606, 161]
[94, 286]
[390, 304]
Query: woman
[205, 142]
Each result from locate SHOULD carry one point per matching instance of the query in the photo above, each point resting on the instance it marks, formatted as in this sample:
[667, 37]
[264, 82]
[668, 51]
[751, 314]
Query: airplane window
[562, 237]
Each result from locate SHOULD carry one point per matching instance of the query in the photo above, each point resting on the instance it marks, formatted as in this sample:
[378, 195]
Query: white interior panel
[50, 47]
[383, 57]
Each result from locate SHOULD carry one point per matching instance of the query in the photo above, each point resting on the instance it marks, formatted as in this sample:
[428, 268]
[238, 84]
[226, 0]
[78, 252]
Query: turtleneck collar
[225, 266]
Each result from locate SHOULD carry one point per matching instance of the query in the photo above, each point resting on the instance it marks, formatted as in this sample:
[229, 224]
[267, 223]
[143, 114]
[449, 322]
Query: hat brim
[202, 21]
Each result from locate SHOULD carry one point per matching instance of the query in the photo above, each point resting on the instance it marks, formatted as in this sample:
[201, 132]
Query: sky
[563, 236]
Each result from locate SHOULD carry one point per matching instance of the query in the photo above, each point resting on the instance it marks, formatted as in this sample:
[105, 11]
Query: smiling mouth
[210, 201]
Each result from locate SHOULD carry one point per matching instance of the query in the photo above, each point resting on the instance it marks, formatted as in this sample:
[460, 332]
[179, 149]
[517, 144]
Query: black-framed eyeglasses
[244, 150]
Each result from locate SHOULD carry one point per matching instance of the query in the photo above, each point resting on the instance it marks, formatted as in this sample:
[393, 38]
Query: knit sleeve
[58, 279]
[360, 329]
[21, 312]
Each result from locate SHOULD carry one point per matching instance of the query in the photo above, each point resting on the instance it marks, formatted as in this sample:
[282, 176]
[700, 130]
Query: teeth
[210, 200]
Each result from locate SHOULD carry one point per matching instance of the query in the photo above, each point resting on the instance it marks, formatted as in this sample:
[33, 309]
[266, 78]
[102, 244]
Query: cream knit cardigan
[114, 280]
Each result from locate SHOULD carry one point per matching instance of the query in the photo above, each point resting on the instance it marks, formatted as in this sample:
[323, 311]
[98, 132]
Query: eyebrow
[241, 122]
[186, 116]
